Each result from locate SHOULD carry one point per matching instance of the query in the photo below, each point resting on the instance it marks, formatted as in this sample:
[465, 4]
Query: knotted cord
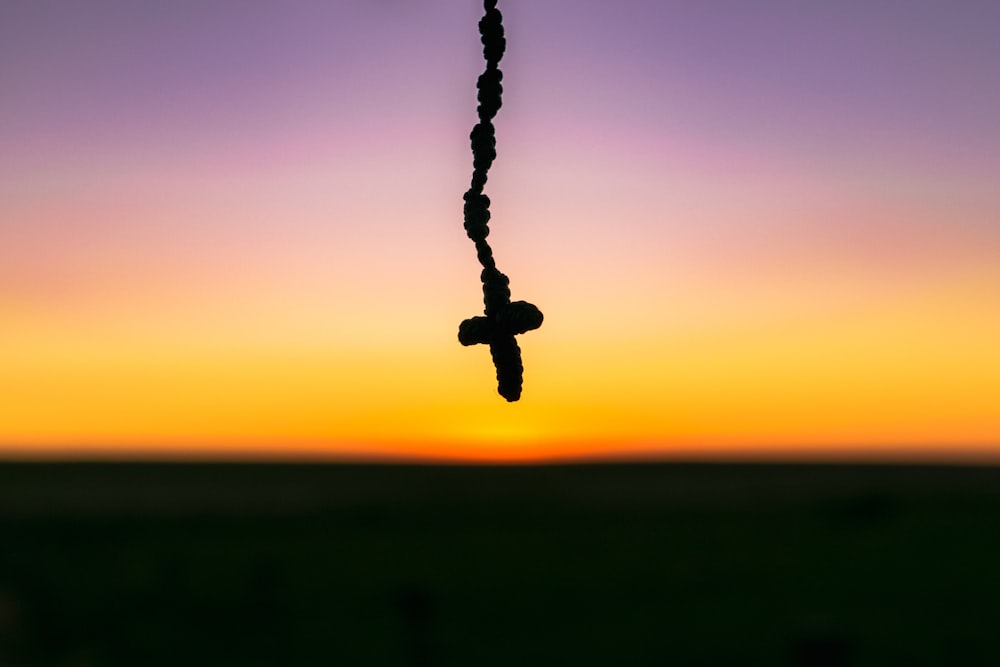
[503, 319]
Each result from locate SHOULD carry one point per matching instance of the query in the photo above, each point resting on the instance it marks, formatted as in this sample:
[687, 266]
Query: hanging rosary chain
[484, 151]
[503, 319]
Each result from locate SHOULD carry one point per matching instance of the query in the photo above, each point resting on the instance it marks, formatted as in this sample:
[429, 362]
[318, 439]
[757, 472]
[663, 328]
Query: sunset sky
[756, 229]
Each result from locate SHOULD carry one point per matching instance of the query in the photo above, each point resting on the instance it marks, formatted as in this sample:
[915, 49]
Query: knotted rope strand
[503, 319]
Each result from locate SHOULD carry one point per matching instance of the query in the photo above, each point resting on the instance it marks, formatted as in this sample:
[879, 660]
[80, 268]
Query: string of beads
[502, 319]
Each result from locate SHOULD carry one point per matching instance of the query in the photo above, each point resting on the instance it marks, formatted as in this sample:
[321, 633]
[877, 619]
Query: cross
[497, 329]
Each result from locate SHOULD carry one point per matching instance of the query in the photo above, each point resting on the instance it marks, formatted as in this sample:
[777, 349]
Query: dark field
[610, 565]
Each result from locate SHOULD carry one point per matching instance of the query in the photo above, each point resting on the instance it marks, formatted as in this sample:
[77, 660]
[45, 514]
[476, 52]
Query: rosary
[502, 319]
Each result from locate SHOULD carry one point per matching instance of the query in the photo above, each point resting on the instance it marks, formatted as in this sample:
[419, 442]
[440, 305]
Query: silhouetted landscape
[656, 564]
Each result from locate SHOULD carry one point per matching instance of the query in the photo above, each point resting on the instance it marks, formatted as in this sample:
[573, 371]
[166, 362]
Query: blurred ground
[610, 565]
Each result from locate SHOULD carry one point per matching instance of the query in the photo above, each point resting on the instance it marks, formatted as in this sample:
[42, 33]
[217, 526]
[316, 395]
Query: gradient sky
[755, 228]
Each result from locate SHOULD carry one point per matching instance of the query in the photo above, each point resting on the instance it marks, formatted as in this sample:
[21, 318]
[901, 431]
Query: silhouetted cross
[498, 330]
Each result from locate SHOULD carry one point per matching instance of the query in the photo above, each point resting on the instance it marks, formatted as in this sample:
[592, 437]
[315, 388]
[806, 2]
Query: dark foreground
[146, 565]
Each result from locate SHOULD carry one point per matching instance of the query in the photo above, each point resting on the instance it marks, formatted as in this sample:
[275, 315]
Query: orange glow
[921, 371]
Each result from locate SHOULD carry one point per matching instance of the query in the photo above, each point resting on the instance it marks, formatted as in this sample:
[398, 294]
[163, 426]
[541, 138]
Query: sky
[756, 230]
